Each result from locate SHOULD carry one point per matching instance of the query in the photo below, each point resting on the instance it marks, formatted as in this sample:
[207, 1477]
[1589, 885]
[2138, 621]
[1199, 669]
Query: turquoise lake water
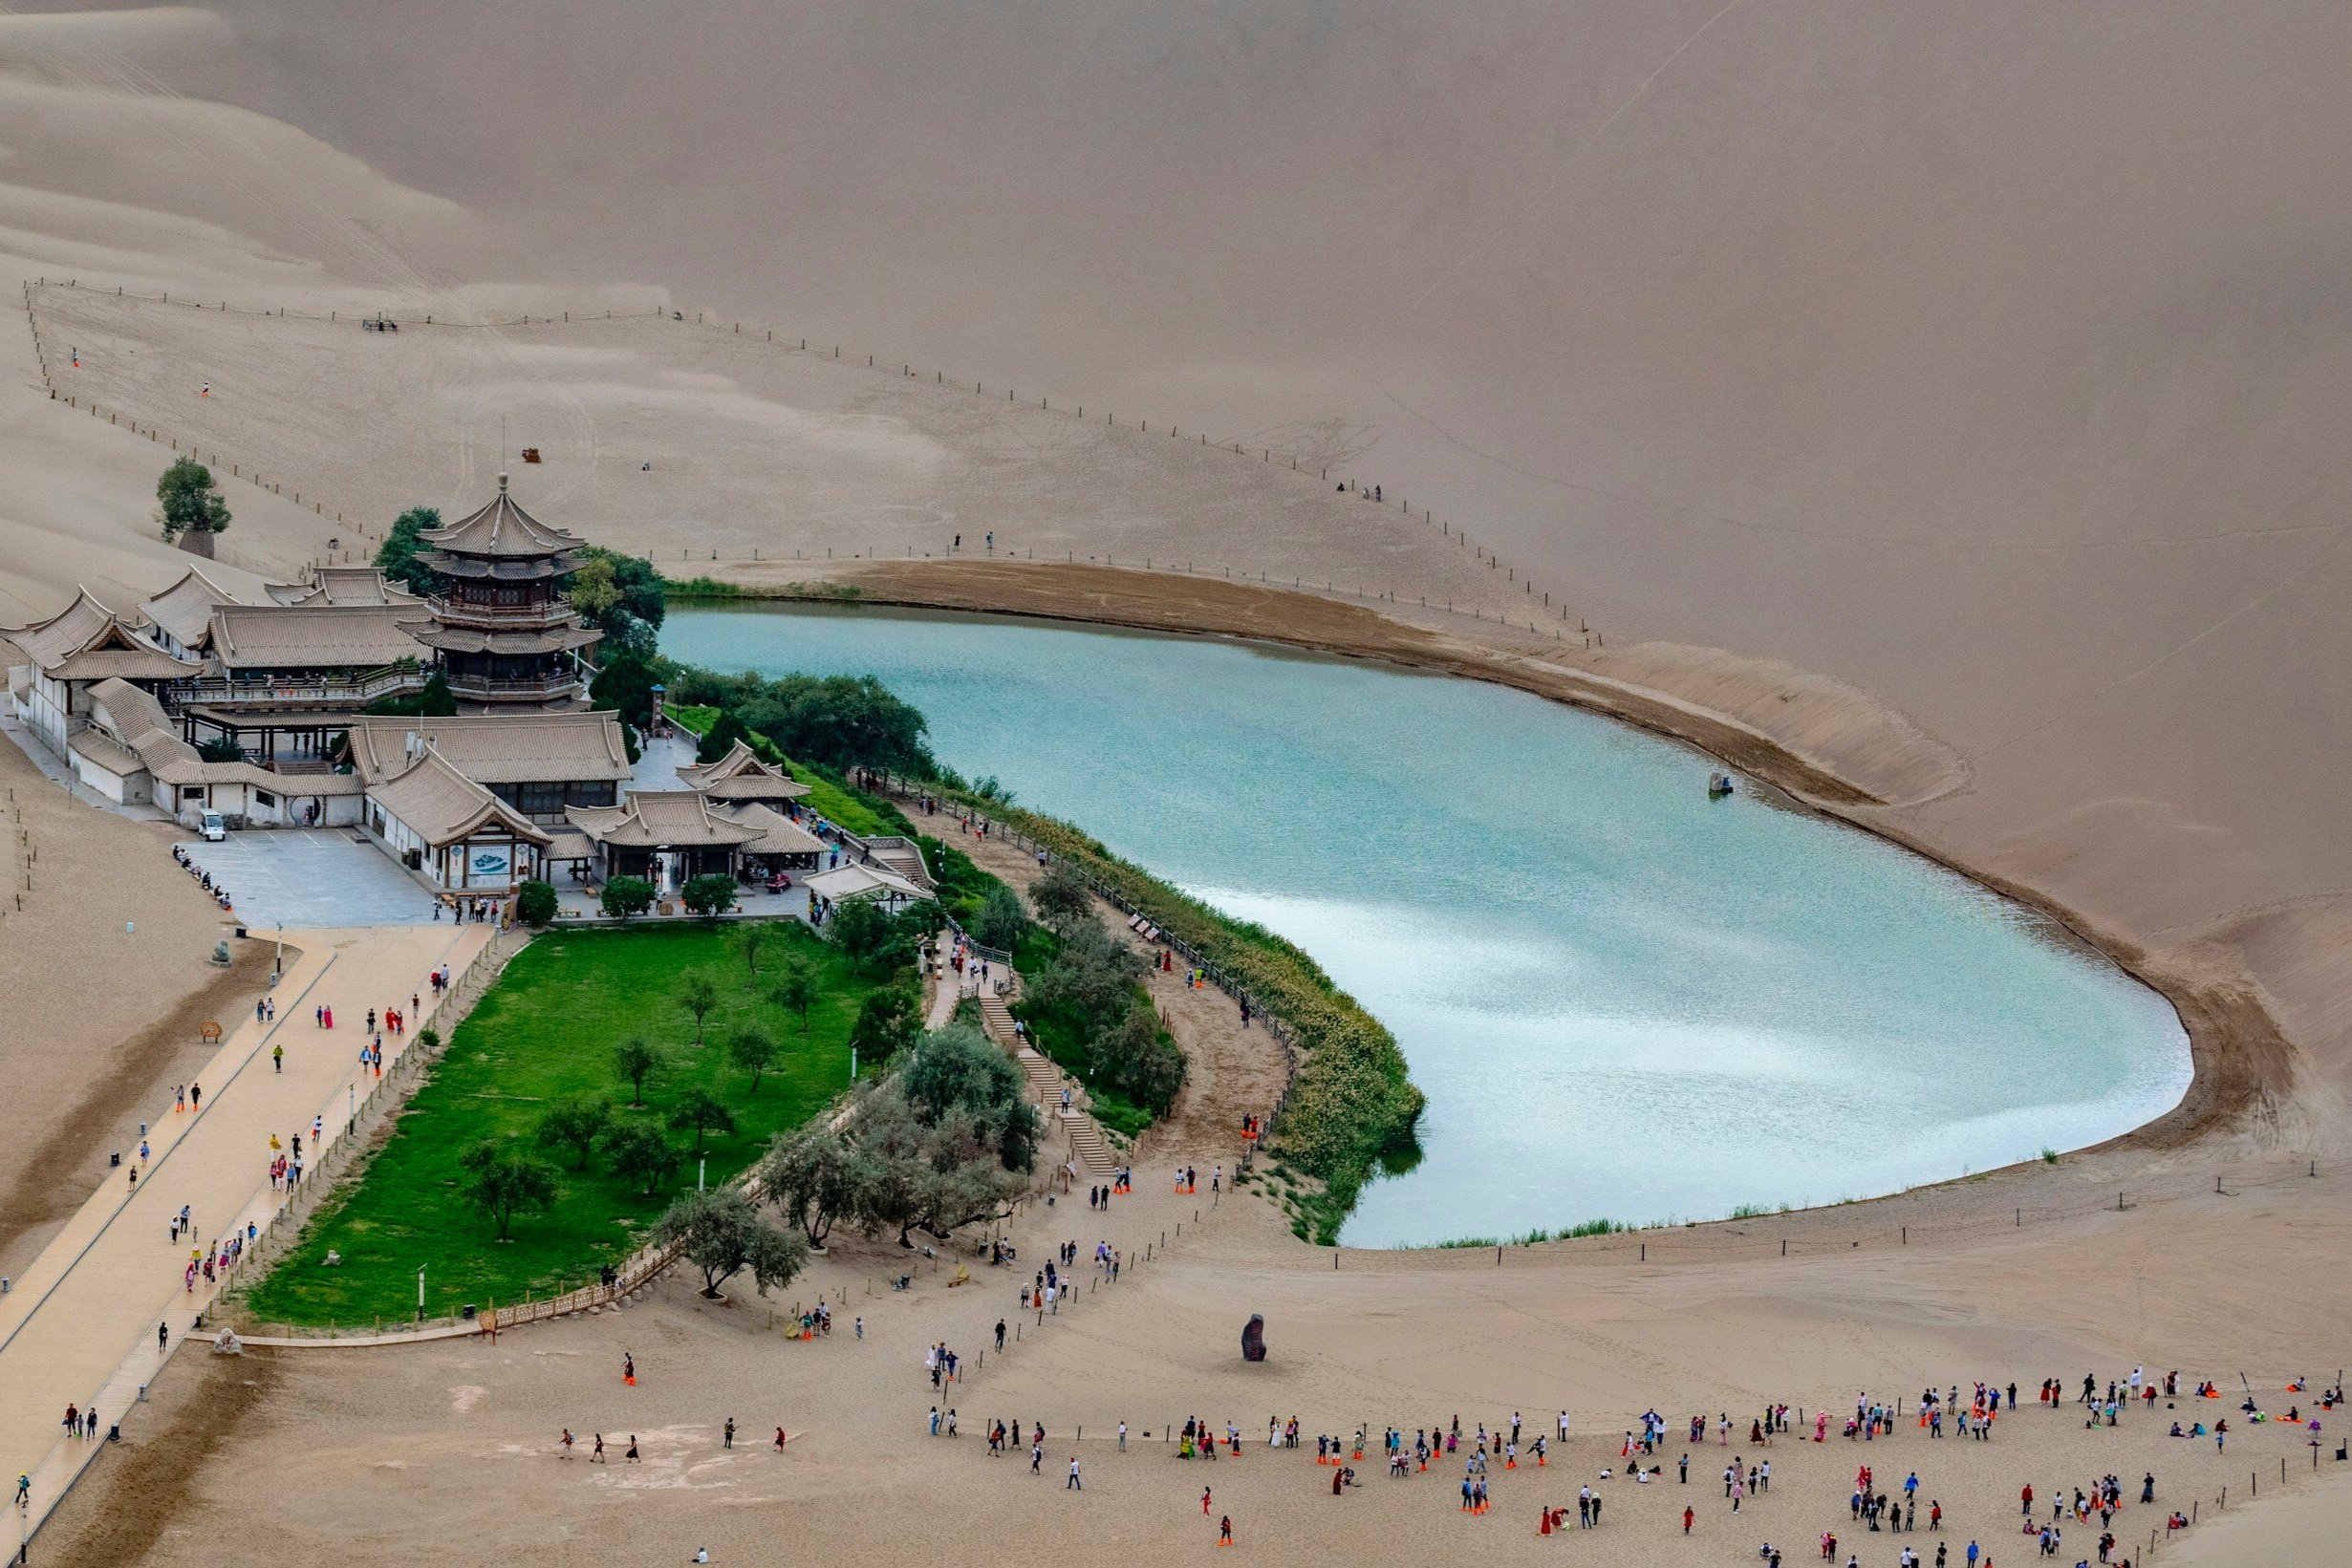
[1623, 999]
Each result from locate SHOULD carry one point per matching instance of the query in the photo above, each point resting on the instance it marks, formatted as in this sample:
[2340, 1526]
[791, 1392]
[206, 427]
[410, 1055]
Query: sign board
[489, 862]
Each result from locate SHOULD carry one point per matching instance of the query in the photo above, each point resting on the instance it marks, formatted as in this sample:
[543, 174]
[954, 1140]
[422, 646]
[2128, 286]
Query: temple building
[505, 635]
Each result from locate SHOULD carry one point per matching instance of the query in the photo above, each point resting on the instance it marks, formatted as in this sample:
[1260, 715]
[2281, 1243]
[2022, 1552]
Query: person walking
[729, 1441]
[1224, 1530]
[1073, 1484]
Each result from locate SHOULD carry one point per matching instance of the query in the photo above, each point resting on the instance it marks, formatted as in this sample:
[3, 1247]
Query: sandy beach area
[2082, 643]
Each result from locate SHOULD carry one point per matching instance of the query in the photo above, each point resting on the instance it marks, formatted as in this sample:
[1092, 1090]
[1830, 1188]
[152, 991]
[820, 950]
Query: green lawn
[546, 1031]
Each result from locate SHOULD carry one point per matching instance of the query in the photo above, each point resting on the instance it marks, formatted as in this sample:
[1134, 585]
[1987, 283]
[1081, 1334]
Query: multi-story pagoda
[505, 635]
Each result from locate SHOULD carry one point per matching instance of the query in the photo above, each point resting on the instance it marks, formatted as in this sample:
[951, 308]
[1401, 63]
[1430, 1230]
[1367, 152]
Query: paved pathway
[313, 876]
[80, 1327]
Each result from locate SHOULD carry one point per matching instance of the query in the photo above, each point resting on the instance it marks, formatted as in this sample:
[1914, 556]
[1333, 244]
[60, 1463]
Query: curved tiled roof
[779, 834]
[185, 610]
[444, 805]
[500, 529]
[741, 776]
[496, 747]
[87, 641]
[315, 636]
[660, 819]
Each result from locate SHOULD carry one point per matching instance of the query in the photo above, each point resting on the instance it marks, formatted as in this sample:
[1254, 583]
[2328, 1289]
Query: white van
[212, 828]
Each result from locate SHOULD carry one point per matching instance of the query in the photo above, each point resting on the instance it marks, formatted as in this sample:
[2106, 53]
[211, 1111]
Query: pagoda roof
[465, 639]
[742, 776]
[661, 819]
[87, 641]
[501, 530]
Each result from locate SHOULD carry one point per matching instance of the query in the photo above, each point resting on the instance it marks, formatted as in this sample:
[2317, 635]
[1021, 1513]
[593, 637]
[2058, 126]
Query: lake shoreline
[2236, 1052]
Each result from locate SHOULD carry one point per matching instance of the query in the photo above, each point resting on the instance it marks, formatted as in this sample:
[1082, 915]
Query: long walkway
[80, 1327]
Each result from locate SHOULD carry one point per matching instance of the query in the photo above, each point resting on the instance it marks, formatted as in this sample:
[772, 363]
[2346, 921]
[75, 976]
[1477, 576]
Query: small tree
[640, 1155]
[435, 701]
[796, 988]
[1061, 894]
[710, 895]
[400, 557]
[636, 1059]
[627, 895]
[723, 1234]
[698, 1114]
[1001, 920]
[430, 1038]
[220, 748]
[574, 1126]
[535, 904]
[503, 1183]
[865, 932]
[885, 1025]
[722, 738]
[811, 1174]
[754, 1050]
[698, 997]
[188, 500]
[751, 936]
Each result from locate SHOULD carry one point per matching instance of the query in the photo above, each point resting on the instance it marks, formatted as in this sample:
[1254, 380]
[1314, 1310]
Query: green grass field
[547, 1030]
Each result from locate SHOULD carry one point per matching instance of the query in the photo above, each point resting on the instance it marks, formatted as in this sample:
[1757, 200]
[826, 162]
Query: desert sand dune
[1946, 394]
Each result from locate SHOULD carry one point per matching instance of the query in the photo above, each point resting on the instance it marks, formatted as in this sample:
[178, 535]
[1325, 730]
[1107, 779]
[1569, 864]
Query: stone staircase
[1089, 1148]
[901, 856]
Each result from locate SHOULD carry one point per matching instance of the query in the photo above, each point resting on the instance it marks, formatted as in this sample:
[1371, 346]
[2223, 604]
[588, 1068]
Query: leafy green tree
[640, 1155]
[625, 897]
[811, 1173]
[504, 1184]
[435, 701]
[876, 940]
[220, 748]
[957, 1065]
[750, 936]
[722, 738]
[591, 592]
[1139, 1060]
[1001, 920]
[1061, 895]
[625, 682]
[754, 1050]
[885, 1025]
[399, 557]
[795, 989]
[535, 904]
[636, 1059]
[698, 997]
[637, 586]
[188, 500]
[430, 1038]
[710, 895]
[699, 1114]
[574, 1125]
[723, 1234]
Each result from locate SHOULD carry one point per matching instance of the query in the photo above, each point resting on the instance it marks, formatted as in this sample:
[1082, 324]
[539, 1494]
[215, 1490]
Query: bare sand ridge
[1929, 409]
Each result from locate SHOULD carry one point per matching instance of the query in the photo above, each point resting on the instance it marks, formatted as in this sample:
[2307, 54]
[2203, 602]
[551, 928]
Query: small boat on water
[1719, 785]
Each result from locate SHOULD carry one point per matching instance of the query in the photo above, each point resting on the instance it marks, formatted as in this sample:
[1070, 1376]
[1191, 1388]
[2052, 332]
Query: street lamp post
[277, 967]
[420, 1295]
